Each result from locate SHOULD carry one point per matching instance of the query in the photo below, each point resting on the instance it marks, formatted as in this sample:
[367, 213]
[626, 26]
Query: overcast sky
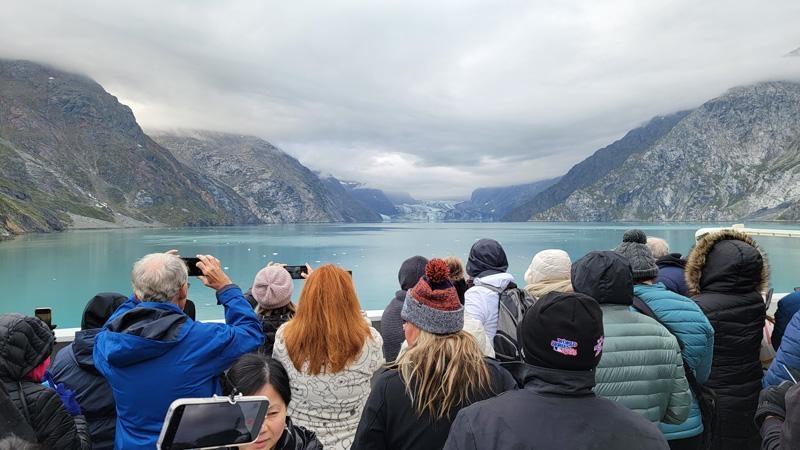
[432, 98]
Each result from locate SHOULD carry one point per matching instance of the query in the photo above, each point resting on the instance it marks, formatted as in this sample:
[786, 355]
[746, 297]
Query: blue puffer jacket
[152, 354]
[687, 322]
[787, 307]
[788, 355]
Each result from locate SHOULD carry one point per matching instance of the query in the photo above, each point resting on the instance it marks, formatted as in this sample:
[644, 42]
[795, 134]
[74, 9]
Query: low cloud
[433, 98]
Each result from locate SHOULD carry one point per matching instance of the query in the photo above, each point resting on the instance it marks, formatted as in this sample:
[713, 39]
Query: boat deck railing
[66, 335]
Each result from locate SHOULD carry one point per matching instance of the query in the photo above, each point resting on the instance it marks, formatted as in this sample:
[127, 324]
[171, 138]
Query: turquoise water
[64, 270]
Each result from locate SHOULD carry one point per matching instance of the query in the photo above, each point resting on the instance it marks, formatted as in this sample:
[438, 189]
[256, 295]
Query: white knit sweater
[331, 404]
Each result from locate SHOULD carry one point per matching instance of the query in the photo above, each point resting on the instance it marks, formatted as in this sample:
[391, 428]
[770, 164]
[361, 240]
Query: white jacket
[481, 303]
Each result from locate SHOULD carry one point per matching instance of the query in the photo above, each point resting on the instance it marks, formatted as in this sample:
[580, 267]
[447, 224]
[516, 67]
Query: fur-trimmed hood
[726, 261]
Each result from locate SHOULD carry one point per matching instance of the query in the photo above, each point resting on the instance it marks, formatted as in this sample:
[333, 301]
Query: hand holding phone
[298, 272]
[191, 264]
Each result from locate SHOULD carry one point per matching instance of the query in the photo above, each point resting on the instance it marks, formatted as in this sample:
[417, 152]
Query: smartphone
[191, 263]
[201, 423]
[296, 271]
[45, 315]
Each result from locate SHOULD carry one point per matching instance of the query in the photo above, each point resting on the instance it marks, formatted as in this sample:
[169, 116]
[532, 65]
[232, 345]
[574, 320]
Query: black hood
[486, 257]
[100, 308]
[24, 343]
[671, 260]
[83, 348]
[604, 276]
[732, 266]
[411, 271]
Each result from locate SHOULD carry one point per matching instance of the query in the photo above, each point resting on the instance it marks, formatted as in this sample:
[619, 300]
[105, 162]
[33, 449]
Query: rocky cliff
[69, 147]
[735, 157]
[276, 187]
[595, 167]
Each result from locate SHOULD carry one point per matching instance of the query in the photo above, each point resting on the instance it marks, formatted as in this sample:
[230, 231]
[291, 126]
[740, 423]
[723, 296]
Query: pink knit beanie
[272, 287]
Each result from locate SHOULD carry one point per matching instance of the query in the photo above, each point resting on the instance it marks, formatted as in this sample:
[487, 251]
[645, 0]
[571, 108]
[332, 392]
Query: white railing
[67, 335]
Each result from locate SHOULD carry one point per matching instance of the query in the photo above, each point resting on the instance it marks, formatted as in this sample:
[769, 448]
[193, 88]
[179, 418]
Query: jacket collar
[559, 382]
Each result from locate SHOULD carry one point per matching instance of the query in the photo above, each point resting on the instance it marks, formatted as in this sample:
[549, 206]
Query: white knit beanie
[548, 265]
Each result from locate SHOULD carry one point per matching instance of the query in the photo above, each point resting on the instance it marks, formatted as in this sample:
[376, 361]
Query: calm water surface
[64, 270]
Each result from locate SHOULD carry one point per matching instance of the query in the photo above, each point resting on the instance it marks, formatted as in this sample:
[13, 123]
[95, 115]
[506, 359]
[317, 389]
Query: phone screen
[214, 424]
[296, 271]
[191, 263]
[45, 315]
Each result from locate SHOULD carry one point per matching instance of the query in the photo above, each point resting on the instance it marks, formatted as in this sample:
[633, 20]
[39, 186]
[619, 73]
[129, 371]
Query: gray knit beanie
[634, 249]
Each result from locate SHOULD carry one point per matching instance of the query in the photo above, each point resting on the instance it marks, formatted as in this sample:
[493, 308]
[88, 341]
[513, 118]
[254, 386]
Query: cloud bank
[433, 98]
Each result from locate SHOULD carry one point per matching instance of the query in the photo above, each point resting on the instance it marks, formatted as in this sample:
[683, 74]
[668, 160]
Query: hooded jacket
[641, 366]
[684, 319]
[787, 307]
[556, 409]
[152, 354]
[409, 274]
[671, 273]
[26, 342]
[725, 274]
[74, 366]
[390, 421]
[788, 355]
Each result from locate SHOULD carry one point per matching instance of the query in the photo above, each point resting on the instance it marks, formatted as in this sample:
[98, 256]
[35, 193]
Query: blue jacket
[787, 306]
[788, 355]
[74, 366]
[687, 322]
[152, 354]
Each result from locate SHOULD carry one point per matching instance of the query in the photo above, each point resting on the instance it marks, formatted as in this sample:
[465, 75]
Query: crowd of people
[631, 348]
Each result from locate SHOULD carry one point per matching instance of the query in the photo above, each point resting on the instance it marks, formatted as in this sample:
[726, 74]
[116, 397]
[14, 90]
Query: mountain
[596, 166]
[68, 148]
[735, 157]
[374, 199]
[274, 185]
[495, 202]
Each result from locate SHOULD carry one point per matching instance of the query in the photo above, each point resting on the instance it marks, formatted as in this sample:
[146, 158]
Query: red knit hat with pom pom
[432, 305]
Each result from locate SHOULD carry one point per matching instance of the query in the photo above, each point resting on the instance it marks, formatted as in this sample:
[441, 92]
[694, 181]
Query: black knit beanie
[563, 331]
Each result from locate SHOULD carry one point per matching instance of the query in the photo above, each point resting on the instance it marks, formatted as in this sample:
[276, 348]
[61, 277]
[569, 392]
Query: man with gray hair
[670, 266]
[152, 353]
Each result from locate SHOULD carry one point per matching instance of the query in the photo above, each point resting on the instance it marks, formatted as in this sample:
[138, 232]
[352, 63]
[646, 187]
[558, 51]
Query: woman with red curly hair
[414, 402]
[330, 352]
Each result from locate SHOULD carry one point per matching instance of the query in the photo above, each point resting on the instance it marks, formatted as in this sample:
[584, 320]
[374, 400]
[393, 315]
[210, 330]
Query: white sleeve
[475, 306]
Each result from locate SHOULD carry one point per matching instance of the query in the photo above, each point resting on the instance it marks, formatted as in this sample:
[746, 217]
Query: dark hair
[253, 370]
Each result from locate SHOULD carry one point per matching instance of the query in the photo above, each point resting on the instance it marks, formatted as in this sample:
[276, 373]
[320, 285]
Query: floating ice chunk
[248, 249]
[275, 254]
[226, 267]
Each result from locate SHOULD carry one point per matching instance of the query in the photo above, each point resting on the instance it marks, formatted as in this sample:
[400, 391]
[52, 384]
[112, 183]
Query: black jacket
[556, 410]
[409, 274]
[270, 324]
[297, 438]
[392, 326]
[74, 366]
[784, 434]
[725, 274]
[25, 342]
[390, 421]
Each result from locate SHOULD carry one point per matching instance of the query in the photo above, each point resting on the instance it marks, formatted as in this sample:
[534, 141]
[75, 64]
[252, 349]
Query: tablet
[199, 423]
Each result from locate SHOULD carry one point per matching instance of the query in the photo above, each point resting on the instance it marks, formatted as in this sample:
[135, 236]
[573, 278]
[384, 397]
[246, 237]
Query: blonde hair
[538, 290]
[327, 331]
[441, 372]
